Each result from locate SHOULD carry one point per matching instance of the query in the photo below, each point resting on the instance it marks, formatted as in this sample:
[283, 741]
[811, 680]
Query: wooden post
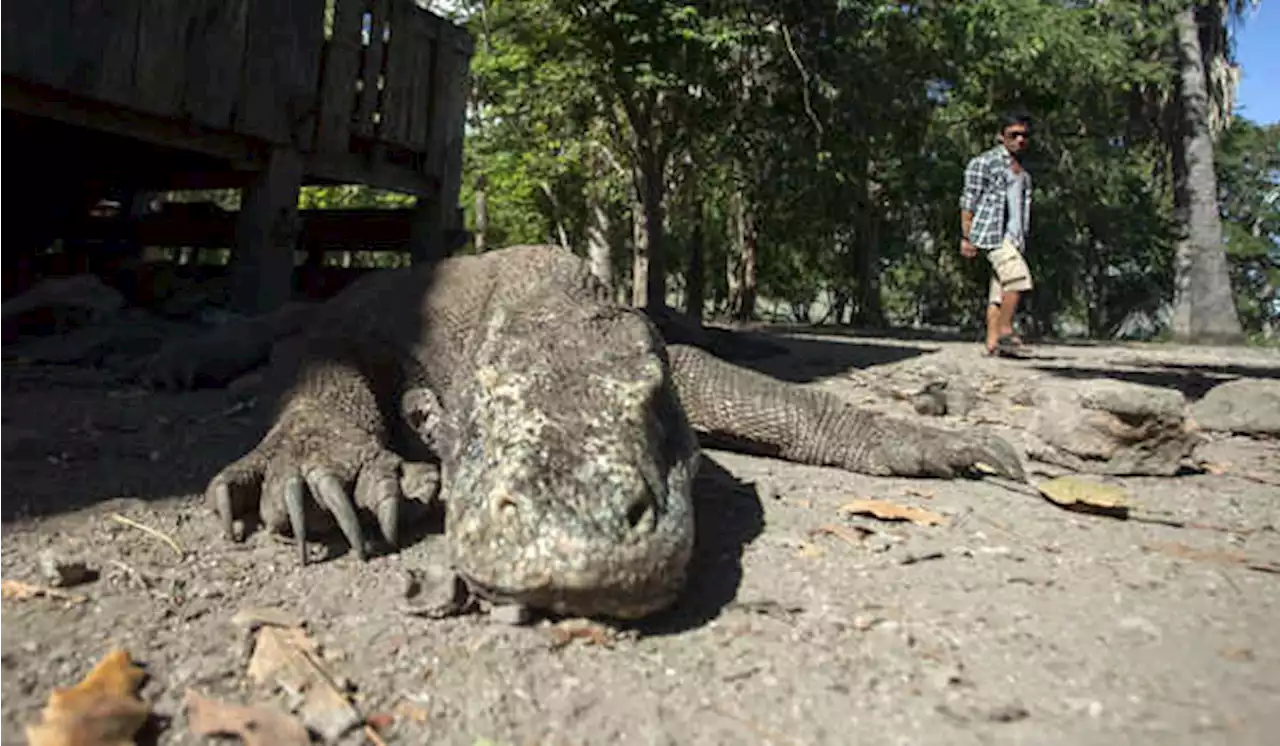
[429, 229]
[266, 233]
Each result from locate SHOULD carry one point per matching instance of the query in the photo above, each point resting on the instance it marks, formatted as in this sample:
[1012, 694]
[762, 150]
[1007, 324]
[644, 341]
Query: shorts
[1009, 272]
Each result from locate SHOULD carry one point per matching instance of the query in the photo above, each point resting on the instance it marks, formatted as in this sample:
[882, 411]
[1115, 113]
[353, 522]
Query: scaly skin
[565, 430]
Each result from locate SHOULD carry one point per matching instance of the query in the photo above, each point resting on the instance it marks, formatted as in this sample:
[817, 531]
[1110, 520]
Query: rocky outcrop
[1110, 427]
[1247, 405]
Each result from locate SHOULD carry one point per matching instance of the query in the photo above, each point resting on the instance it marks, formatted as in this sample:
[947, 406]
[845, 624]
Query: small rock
[512, 614]
[917, 557]
[1138, 624]
[437, 592]
[931, 401]
[1009, 713]
[768, 491]
[1247, 405]
[60, 572]
[251, 618]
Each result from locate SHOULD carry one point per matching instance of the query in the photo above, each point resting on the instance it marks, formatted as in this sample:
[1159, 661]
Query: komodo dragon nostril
[504, 506]
[641, 515]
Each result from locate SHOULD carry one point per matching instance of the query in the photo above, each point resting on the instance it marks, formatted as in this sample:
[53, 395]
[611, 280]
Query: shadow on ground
[806, 359]
[729, 516]
[1194, 381]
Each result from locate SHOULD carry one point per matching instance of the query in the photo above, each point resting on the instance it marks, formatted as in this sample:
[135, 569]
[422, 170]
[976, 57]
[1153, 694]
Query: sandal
[1009, 340]
[1009, 345]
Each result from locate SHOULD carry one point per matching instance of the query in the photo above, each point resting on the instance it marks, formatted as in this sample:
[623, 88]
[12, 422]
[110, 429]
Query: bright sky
[1258, 52]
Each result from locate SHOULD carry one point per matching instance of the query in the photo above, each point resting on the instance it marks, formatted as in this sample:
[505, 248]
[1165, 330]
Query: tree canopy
[803, 161]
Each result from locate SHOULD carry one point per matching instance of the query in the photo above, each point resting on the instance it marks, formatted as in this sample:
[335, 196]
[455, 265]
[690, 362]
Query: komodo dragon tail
[745, 410]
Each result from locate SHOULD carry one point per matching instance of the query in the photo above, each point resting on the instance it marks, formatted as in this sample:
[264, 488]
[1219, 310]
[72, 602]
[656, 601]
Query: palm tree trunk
[1204, 305]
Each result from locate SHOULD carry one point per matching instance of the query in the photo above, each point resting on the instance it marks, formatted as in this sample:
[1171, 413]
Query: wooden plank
[397, 92]
[37, 41]
[41, 102]
[346, 168]
[281, 71]
[341, 69]
[214, 61]
[371, 70]
[98, 61]
[162, 55]
[433, 35]
[199, 225]
[449, 97]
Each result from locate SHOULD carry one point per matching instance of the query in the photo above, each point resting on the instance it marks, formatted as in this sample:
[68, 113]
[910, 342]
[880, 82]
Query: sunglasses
[1018, 135]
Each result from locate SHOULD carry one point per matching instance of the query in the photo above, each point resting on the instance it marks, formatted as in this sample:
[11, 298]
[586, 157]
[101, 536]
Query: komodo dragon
[562, 427]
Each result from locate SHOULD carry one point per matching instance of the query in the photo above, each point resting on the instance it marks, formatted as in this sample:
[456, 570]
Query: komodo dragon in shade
[565, 431]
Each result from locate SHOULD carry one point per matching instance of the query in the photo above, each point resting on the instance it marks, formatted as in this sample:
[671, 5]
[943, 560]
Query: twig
[147, 529]
[372, 734]
[804, 75]
[18, 590]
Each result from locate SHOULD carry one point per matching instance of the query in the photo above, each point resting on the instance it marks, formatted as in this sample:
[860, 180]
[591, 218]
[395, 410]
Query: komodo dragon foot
[341, 467]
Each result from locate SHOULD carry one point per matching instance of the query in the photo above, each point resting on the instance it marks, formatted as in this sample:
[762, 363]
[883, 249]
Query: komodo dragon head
[568, 463]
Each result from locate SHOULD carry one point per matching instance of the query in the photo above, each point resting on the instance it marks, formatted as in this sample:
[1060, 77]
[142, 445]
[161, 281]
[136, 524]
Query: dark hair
[1011, 118]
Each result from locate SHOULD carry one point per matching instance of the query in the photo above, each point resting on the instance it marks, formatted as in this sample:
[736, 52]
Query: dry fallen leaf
[592, 633]
[101, 710]
[286, 656]
[1213, 468]
[887, 511]
[1075, 493]
[16, 590]
[256, 726]
[1239, 655]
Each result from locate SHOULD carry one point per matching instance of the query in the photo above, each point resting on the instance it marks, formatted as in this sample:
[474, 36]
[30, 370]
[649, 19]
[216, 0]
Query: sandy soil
[1014, 622]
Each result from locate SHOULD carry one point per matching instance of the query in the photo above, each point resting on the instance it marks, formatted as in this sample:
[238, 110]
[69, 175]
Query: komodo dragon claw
[340, 469]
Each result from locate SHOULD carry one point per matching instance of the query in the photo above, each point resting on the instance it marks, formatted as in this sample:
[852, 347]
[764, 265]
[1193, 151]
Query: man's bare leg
[1008, 306]
[993, 325]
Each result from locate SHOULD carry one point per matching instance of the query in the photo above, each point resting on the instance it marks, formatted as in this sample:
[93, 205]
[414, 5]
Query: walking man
[995, 213]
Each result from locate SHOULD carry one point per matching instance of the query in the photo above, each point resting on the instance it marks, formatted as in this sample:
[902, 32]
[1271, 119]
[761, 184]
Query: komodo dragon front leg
[332, 440]
[747, 410]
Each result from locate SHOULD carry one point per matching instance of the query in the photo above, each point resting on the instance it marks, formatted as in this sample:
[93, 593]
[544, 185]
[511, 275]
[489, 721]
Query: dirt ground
[1013, 622]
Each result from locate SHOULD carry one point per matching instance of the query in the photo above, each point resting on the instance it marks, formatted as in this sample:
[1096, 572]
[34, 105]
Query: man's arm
[969, 196]
[966, 223]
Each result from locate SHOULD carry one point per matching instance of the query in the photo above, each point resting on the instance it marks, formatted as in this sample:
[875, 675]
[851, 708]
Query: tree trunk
[695, 296]
[652, 191]
[742, 263]
[639, 256]
[482, 214]
[562, 235]
[1204, 305]
[599, 241]
[870, 311]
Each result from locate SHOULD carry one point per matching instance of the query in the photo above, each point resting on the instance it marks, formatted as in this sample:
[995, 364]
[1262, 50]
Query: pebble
[61, 572]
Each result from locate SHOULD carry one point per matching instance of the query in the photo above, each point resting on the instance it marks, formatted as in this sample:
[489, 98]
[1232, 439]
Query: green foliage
[844, 127]
[1248, 161]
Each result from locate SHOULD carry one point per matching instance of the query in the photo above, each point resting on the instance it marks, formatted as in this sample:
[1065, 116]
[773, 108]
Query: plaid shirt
[986, 183]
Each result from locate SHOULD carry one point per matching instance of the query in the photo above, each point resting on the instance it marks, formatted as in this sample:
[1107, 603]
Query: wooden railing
[363, 85]
[393, 87]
